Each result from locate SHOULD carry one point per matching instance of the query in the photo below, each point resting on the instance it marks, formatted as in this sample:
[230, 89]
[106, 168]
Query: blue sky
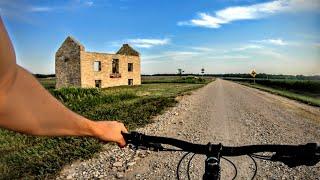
[223, 36]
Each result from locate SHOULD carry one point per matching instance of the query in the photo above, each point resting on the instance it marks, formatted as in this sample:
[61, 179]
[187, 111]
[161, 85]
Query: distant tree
[180, 71]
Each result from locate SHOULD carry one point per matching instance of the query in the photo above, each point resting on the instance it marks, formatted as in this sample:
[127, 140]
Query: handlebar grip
[308, 154]
[132, 137]
[138, 141]
[127, 137]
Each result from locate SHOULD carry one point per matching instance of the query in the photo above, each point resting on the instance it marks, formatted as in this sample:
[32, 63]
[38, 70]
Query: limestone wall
[67, 64]
[88, 75]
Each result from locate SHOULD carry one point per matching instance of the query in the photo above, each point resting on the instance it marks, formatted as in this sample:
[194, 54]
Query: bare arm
[7, 60]
[25, 106]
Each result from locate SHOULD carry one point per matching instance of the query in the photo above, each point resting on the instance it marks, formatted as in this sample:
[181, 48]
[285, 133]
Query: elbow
[8, 80]
[6, 84]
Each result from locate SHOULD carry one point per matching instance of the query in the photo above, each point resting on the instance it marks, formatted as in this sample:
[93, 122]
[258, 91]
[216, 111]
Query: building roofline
[102, 53]
[75, 40]
[125, 50]
[92, 52]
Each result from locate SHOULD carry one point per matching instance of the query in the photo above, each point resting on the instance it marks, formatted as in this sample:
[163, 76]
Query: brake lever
[309, 155]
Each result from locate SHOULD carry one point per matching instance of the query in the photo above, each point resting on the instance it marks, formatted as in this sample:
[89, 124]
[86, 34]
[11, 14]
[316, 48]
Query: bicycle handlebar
[292, 155]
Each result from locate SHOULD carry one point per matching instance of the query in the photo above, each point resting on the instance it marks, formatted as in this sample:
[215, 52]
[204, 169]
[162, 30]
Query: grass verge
[309, 88]
[30, 157]
[291, 95]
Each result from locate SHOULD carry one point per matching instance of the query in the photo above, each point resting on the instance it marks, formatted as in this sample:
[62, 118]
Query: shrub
[82, 100]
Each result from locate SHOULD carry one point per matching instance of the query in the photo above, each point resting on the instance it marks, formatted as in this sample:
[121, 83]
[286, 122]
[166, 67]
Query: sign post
[253, 74]
[202, 72]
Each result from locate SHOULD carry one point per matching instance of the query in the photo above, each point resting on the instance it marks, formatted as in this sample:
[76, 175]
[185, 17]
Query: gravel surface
[223, 112]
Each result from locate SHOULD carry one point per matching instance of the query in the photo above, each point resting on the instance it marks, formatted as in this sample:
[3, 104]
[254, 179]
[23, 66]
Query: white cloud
[148, 43]
[249, 46]
[273, 54]
[204, 20]
[203, 49]
[191, 55]
[171, 55]
[255, 11]
[9, 7]
[229, 57]
[181, 53]
[88, 3]
[278, 41]
[40, 9]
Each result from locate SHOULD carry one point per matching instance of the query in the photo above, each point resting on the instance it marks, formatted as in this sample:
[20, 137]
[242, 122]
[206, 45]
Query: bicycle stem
[212, 163]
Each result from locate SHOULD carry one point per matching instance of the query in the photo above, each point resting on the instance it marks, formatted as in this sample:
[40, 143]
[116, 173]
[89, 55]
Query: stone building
[76, 67]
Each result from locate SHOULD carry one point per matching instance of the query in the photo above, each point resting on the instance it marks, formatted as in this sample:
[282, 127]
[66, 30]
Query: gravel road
[223, 112]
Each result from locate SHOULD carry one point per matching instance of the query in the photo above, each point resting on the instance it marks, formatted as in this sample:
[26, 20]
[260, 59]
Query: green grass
[48, 83]
[32, 157]
[306, 91]
[305, 98]
[306, 87]
[176, 79]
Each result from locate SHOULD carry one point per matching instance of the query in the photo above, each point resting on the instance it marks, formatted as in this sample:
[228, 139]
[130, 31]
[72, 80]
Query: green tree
[180, 71]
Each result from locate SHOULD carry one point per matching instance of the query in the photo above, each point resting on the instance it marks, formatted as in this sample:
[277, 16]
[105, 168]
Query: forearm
[29, 108]
[7, 60]
[25, 106]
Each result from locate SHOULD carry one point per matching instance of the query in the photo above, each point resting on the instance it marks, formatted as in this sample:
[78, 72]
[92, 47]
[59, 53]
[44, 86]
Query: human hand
[110, 131]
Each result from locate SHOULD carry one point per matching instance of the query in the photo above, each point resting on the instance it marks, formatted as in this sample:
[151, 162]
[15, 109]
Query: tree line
[243, 75]
[230, 75]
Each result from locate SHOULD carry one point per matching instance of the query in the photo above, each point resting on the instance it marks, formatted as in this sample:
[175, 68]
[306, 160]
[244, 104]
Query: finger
[123, 128]
[122, 143]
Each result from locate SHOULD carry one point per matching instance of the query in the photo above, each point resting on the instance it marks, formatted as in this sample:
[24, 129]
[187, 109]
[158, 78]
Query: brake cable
[179, 164]
[256, 167]
[189, 164]
[234, 167]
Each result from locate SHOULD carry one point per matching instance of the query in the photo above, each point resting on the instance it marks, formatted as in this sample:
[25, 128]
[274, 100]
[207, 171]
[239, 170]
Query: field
[42, 157]
[175, 79]
[307, 91]
[48, 83]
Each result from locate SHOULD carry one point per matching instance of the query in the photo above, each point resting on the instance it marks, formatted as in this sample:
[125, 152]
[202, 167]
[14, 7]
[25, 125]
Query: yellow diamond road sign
[253, 73]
